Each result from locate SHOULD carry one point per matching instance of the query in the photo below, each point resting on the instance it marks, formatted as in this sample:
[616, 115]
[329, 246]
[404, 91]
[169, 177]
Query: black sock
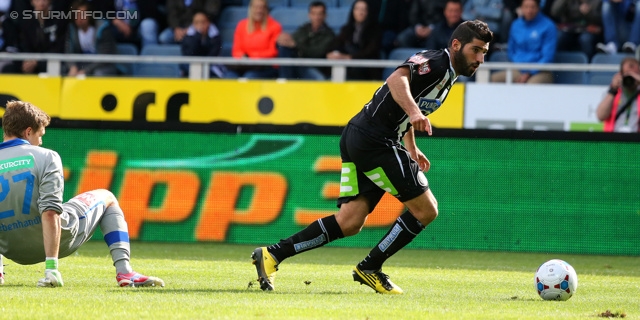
[403, 231]
[317, 234]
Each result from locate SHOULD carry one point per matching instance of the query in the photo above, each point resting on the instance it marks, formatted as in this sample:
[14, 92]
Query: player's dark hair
[472, 29]
[314, 4]
[20, 115]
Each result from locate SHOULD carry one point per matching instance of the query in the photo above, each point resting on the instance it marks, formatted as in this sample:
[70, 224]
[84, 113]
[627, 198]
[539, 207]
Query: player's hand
[422, 160]
[420, 123]
[52, 279]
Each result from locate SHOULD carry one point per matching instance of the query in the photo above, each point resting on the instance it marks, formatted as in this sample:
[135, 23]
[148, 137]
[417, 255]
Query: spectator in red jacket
[255, 37]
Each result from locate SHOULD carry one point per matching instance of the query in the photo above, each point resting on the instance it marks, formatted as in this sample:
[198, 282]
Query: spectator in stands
[255, 37]
[619, 108]
[532, 39]
[359, 39]
[179, 15]
[84, 37]
[393, 17]
[8, 26]
[443, 30]
[39, 36]
[311, 40]
[203, 39]
[579, 24]
[489, 11]
[141, 29]
[621, 24]
[423, 16]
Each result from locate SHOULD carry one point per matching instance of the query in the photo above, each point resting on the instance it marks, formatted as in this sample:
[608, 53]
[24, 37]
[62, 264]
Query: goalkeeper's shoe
[266, 266]
[135, 279]
[52, 279]
[1, 278]
[377, 280]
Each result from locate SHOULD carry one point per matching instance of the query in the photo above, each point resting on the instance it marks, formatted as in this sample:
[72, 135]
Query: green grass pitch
[212, 281]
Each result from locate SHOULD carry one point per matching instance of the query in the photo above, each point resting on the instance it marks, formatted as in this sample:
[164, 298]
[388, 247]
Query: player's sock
[116, 235]
[317, 234]
[403, 231]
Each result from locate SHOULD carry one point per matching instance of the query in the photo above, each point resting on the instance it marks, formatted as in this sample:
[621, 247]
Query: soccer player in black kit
[374, 160]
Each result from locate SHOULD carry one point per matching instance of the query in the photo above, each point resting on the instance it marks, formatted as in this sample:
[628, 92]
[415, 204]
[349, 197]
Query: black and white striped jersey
[432, 76]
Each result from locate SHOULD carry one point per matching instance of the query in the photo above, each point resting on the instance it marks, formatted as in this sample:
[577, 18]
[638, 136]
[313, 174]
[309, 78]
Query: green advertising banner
[493, 194]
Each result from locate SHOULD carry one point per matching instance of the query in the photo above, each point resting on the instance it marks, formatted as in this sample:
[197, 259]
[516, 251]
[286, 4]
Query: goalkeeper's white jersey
[31, 182]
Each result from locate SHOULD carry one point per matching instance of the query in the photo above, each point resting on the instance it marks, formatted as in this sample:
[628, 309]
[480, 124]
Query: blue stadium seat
[399, 54]
[230, 16]
[570, 77]
[345, 3]
[337, 17]
[225, 51]
[305, 3]
[158, 70]
[499, 56]
[290, 18]
[226, 35]
[604, 77]
[126, 49]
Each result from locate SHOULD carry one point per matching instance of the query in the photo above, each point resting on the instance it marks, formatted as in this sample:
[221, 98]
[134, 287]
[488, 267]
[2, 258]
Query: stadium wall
[555, 192]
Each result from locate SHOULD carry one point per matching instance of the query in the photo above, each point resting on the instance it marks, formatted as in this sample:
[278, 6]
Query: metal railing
[199, 66]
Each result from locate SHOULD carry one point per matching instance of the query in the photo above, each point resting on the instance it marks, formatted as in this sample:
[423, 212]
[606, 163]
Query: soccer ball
[556, 280]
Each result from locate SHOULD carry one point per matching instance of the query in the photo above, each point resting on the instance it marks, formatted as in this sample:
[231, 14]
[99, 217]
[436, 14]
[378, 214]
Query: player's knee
[351, 230]
[108, 197]
[428, 214]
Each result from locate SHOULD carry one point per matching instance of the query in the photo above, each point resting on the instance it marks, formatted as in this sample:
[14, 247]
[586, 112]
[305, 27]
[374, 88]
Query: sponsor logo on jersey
[428, 106]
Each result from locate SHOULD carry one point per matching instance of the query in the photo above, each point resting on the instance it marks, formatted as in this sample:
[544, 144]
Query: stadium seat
[499, 56]
[399, 54]
[337, 17]
[126, 49]
[345, 3]
[225, 51]
[230, 16]
[604, 77]
[290, 18]
[305, 3]
[159, 70]
[226, 35]
[570, 77]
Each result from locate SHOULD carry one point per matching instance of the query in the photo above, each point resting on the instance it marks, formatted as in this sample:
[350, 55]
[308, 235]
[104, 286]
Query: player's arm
[398, 83]
[409, 140]
[51, 233]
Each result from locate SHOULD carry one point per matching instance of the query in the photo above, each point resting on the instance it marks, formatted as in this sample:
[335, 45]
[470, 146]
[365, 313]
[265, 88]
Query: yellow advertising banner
[43, 92]
[233, 101]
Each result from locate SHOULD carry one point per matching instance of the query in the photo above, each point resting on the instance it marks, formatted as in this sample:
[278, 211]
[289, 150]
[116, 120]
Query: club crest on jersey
[424, 68]
[428, 106]
[423, 63]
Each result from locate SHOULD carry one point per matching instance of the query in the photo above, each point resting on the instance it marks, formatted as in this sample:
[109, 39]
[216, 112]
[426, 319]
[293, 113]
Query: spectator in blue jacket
[532, 39]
